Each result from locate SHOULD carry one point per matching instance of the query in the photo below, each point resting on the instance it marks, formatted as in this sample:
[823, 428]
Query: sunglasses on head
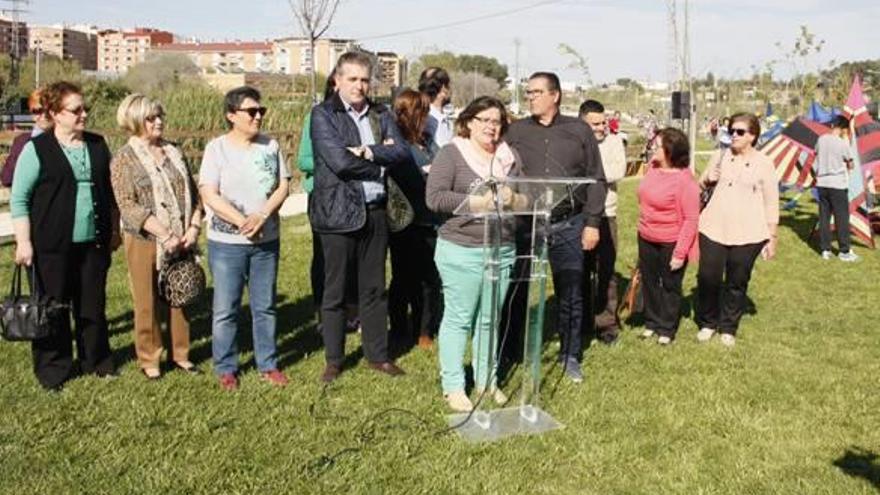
[738, 131]
[253, 111]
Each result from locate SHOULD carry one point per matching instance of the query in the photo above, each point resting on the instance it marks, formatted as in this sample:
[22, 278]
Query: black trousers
[834, 202]
[606, 285]
[79, 278]
[360, 254]
[722, 282]
[316, 271]
[415, 294]
[661, 287]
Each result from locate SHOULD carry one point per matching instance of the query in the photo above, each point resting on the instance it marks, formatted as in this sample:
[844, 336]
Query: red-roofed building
[119, 50]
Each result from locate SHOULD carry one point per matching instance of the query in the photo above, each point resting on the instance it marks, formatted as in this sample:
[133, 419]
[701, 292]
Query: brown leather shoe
[387, 367]
[331, 372]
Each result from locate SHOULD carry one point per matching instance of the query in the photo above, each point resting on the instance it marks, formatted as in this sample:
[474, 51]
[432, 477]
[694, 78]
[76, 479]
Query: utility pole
[475, 84]
[689, 78]
[516, 43]
[38, 50]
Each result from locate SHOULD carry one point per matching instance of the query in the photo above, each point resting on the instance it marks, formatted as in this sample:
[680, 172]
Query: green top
[27, 172]
[305, 160]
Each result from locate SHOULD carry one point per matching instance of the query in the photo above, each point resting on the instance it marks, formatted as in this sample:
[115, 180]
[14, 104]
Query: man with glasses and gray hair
[354, 142]
[555, 145]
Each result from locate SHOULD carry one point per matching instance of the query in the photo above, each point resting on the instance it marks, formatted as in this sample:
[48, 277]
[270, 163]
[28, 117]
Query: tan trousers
[148, 308]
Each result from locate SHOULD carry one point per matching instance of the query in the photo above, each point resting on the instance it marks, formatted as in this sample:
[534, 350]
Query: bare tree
[314, 18]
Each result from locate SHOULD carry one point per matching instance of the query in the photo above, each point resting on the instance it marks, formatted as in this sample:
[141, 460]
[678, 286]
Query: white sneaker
[848, 256]
[728, 340]
[459, 402]
[647, 334]
[705, 334]
[664, 340]
[827, 255]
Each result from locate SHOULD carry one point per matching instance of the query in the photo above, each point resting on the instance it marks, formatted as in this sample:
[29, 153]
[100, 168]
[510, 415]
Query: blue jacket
[337, 204]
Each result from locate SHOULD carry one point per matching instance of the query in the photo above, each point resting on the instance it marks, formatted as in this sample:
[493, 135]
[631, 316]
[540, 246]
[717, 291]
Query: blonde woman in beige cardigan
[161, 216]
[737, 225]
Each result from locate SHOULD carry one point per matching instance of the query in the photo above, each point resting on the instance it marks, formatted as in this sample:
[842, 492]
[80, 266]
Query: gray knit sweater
[450, 181]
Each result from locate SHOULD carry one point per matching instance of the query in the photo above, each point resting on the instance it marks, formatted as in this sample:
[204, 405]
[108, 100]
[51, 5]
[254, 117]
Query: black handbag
[29, 317]
[706, 195]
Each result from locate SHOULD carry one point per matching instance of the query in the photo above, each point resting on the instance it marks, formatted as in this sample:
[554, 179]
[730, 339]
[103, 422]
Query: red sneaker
[228, 382]
[274, 377]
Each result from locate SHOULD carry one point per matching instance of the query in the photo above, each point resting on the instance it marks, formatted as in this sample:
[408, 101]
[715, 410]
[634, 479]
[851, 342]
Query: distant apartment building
[227, 57]
[8, 36]
[293, 55]
[120, 50]
[78, 43]
[391, 69]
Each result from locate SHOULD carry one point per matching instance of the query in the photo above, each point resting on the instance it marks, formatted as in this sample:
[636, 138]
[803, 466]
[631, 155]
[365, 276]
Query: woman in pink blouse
[669, 210]
[737, 225]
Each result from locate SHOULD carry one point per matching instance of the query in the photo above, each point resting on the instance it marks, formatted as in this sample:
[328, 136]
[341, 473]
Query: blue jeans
[233, 265]
[566, 256]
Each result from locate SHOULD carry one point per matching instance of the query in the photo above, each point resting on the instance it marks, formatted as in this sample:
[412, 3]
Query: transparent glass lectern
[498, 203]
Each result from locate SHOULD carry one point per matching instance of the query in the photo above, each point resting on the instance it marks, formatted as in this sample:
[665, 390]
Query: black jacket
[337, 204]
[54, 197]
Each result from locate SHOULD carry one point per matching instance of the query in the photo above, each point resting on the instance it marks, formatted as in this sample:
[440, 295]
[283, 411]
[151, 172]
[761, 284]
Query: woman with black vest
[66, 220]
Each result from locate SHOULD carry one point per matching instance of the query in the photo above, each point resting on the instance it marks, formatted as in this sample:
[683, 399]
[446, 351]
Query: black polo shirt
[565, 148]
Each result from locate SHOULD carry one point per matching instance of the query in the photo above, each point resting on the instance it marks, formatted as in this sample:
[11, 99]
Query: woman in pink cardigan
[669, 211]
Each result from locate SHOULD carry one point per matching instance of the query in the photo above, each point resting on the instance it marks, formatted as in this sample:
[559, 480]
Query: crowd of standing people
[380, 179]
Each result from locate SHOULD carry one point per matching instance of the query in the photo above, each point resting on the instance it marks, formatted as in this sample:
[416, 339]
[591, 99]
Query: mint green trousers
[467, 298]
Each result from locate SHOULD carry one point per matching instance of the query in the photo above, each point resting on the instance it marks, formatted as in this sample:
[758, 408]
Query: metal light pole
[37, 52]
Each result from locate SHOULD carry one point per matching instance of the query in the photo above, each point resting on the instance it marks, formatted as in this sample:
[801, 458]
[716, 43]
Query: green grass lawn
[792, 409]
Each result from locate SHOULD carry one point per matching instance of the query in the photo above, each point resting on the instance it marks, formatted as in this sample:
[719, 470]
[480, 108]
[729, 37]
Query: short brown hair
[751, 121]
[53, 96]
[675, 147]
[411, 109]
[475, 107]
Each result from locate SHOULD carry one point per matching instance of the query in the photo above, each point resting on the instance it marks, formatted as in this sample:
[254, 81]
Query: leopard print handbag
[181, 280]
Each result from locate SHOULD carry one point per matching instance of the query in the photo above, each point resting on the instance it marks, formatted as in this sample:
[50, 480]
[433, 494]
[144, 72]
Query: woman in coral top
[669, 211]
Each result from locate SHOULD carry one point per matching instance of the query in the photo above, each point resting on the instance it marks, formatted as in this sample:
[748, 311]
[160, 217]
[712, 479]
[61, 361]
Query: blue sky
[620, 38]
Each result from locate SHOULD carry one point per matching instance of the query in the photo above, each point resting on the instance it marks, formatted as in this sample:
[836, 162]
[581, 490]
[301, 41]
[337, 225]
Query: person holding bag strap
[161, 217]
[65, 216]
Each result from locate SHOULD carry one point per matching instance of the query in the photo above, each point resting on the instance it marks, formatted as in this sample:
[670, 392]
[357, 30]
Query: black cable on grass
[322, 463]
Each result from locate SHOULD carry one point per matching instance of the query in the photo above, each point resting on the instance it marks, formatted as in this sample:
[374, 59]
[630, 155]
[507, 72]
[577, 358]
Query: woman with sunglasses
[243, 182]
[42, 123]
[737, 224]
[65, 220]
[161, 217]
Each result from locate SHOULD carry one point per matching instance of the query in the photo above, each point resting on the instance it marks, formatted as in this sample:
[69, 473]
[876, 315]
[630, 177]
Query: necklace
[77, 157]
